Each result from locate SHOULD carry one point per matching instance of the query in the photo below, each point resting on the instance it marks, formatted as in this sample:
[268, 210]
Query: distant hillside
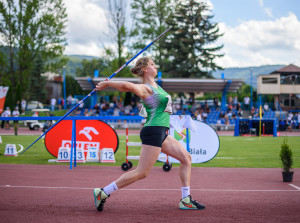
[81, 57]
[244, 73]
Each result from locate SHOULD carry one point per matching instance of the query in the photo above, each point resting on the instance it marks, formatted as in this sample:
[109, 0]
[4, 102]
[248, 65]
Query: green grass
[234, 152]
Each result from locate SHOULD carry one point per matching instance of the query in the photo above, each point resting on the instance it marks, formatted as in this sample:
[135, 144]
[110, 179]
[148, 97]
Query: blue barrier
[247, 124]
[46, 118]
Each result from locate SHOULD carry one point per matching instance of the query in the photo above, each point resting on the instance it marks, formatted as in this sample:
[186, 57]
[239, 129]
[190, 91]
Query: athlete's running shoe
[100, 198]
[190, 204]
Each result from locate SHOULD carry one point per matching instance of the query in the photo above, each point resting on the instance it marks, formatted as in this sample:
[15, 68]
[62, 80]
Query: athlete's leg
[148, 157]
[173, 148]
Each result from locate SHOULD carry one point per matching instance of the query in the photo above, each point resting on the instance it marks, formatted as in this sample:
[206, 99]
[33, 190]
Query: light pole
[251, 97]
[64, 74]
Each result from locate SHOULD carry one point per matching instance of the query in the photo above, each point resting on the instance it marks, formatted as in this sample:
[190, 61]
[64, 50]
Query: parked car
[36, 124]
[31, 105]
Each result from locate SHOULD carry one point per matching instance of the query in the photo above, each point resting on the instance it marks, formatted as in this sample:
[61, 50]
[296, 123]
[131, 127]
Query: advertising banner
[89, 133]
[203, 144]
[3, 92]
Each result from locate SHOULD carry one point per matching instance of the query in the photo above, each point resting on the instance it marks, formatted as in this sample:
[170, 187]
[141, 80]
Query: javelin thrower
[154, 137]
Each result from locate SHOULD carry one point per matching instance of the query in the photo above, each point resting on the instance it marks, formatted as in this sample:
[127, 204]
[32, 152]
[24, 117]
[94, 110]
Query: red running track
[54, 193]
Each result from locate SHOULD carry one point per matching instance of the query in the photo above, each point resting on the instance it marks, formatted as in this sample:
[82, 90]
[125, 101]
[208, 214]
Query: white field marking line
[248, 157]
[294, 186]
[21, 148]
[87, 188]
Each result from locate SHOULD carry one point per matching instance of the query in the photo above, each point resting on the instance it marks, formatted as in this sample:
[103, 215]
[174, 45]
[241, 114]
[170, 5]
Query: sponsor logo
[86, 131]
[188, 205]
[81, 144]
[195, 151]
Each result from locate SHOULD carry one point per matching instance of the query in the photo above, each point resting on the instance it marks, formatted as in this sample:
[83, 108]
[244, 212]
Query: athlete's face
[151, 69]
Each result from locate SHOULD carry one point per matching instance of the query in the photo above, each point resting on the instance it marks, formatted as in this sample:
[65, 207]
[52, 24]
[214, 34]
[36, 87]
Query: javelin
[94, 90]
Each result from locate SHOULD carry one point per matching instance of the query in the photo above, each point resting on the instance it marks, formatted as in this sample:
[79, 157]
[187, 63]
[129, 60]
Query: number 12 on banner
[107, 155]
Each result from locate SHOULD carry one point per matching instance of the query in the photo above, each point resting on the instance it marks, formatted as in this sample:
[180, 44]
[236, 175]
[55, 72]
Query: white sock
[185, 192]
[110, 188]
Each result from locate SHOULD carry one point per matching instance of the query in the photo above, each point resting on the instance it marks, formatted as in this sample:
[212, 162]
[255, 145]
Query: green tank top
[158, 107]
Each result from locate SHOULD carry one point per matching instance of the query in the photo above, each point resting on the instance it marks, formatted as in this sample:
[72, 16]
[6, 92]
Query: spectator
[191, 99]
[116, 111]
[23, 107]
[256, 113]
[59, 102]
[290, 117]
[229, 114]
[62, 103]
[198, 114]
[16, 113]
[206, 108]
[252, 112]
[266, 107]
[238, 106]
[222, 114]
[230, 100]
[246, 103]
[235, 100]
[204, 115]
[282, 125]
[35, 114]
[6, 114]
[77, 112]
[81, 106]
[240, 112]
[127, 109]
[3, 122]
[69, 100]
[86, 112]
[53, 103]
[104, 105]
[216, 102]
[234, 115]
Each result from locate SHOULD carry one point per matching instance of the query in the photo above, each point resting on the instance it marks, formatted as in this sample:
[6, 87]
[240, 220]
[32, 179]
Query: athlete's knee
[142, 174]
[186, 158]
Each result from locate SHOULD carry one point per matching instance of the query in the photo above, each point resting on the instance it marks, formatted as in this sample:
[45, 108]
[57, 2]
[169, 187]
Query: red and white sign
[89, 133]
[3, 92]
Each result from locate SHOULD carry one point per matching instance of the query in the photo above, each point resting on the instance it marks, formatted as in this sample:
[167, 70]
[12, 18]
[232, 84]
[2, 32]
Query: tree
[36, 81]
[72, 87]
[116, 23]
[150, 19]
[31, 29]
[190, 50]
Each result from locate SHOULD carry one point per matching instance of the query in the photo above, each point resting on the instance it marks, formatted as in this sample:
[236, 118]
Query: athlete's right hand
[101, 85]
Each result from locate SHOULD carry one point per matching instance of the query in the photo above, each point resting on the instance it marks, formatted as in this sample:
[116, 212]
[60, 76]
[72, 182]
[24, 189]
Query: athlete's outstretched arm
[141, 90]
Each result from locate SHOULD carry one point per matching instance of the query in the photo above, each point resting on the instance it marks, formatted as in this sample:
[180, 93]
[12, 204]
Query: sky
[255, 32]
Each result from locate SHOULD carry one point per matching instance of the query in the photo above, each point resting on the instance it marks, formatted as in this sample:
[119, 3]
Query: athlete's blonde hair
[141, 63]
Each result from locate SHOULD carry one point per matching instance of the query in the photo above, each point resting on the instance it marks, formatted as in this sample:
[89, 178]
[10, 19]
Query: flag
[3, 92]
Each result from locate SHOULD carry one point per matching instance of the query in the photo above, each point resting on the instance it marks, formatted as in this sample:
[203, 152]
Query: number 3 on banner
[107, 155]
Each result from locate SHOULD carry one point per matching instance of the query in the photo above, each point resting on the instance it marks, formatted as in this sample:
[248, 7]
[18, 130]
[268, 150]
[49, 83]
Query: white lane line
[294, 186]
[150, 189]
